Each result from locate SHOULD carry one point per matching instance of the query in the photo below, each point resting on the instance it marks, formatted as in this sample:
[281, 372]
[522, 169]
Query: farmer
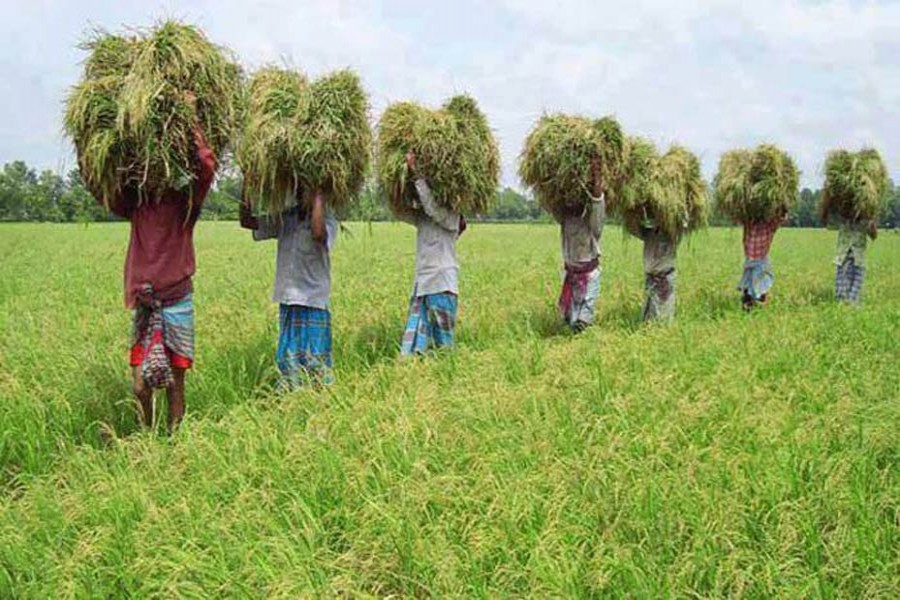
[158, 270]
[851, 257]
[758, 277]
[659, 272]
[581, 230]
[305, 234]
[434, 302]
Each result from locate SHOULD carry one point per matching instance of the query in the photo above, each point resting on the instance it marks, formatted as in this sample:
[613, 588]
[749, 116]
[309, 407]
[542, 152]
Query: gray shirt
[303, 266]
[437, 229]
[659, 252]
[581, 233]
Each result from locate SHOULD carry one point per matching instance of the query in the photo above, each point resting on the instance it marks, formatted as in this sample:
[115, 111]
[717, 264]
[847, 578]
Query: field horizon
[723, 455]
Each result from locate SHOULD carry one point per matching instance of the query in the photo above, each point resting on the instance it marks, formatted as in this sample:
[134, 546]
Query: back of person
[437, 268]
[161, 249]
[303, 267]
[579, 242]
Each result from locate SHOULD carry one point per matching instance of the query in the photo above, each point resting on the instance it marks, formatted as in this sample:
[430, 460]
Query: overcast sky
[709, 74]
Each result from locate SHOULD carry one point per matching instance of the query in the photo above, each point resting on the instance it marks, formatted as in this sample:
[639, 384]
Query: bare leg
[144, 396]
[175, 394]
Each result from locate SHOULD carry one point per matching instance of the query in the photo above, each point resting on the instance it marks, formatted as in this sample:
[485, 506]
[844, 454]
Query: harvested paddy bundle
[756, 186]
[856, 185]
[556, 160]
[668, 191]
[305, 136]
[455, 152]
[131, 116]
[268, 147]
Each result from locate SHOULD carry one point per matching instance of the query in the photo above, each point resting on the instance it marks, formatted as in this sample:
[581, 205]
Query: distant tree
[805, 214]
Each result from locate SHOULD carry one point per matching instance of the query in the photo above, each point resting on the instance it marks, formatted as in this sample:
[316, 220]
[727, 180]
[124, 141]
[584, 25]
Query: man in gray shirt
[434, 303]
[302, 286]
[581, 231]
[659, 272]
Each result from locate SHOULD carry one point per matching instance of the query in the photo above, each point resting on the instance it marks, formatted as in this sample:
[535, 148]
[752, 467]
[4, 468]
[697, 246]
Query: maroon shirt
[161, 249]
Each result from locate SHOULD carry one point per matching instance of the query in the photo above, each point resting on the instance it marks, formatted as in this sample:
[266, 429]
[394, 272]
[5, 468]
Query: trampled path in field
[728, 454]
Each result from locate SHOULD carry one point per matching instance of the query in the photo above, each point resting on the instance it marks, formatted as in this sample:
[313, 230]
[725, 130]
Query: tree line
[46, 196]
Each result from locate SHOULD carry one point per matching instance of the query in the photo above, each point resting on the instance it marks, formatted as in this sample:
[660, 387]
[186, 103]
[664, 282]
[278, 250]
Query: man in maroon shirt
[158, 270]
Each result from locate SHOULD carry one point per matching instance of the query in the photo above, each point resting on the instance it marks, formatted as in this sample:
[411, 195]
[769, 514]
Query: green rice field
[725, 455]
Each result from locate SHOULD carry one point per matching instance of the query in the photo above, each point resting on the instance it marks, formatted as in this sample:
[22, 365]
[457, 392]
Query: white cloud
[711, 75]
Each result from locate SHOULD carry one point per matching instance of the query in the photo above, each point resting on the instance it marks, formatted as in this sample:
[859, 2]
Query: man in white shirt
[434, 303]
[302, 287]
[581, 233]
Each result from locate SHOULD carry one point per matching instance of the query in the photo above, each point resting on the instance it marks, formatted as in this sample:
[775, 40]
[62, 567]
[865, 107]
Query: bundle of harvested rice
[556, 160]
[856, 185]
[455, 152]
[334, 138]
[131, 118]
[666, 192]
[300, 136]
[756, 186]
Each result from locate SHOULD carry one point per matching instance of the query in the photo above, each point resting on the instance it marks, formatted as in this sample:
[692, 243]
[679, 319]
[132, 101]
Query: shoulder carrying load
[130, 118]
[455, 152]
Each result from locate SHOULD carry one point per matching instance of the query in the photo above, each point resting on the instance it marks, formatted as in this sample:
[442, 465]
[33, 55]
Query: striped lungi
[304, 346]
[578, 299]
[848, 280]
[660, 302]
[162, 337]
[758, 278]
[430, 324]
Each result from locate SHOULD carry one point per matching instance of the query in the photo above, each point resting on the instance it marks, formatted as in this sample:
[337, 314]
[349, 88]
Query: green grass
[725, 455]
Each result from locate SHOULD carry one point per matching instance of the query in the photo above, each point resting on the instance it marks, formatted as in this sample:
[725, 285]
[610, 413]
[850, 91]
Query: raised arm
[441, 216]
[598, 200]
[247, 220]
[873, 229]
[317, 220]
[206, 171]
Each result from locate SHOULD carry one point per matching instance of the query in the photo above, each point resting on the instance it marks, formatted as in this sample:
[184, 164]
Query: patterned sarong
[430, 324]
[304, 346]
[578, 298]
[848, 280]
[758, 278]
[160, 330]
[660, 303]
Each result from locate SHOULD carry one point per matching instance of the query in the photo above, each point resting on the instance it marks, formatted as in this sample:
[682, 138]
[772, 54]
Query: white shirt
[437, 230]
[581, 233]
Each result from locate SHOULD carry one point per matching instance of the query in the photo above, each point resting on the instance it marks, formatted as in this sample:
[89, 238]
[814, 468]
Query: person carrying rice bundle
[305, 238]
[304, 150]
[432, 166]
[757, 189]
[856, 187]
[660, 199]
[147, 120]
[568, 162]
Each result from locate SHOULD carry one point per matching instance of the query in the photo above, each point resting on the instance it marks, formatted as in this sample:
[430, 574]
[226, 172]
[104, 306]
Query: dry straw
[455, 153]
[756, 186]
[556, 160]
[856, 185]
[130, 118]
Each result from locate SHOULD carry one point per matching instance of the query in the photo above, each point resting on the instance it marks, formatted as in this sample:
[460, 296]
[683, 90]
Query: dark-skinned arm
[317, 220]
[247, 220]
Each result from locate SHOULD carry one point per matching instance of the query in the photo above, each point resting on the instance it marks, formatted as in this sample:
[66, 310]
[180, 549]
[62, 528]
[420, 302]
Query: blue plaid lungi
[758, 278]
[430, 324]
[848, 280]
[304, 346]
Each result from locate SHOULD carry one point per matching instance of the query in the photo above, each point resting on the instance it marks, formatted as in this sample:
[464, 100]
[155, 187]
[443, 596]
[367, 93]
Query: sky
[711, 75]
